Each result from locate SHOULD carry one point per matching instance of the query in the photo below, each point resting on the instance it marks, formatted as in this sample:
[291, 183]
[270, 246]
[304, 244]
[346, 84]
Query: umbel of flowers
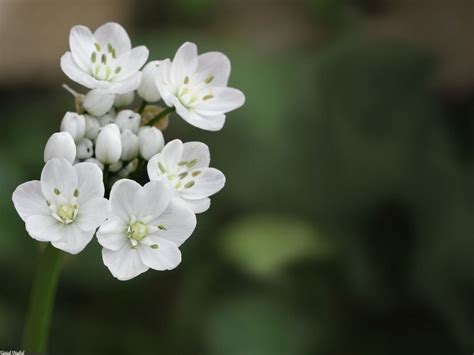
[113, 135]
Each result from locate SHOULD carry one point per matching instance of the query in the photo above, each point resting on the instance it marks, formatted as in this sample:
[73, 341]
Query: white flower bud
[116, 166]
[124, 99]
[130, 145]
[75, 125]
[129, 168]
[85, 149]
[97, 102]
[108, 146]
[60, 145]
[127, 119]
[147, 89]
[92, 127]
[151, 142]
[95, 161]
[106, 119]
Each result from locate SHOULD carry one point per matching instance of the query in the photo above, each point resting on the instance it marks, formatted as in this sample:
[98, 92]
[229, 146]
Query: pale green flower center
[137, 231]
[67, 213]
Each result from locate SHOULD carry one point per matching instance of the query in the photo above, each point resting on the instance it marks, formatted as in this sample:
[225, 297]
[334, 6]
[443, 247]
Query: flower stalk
[36, 332]
[160, 116]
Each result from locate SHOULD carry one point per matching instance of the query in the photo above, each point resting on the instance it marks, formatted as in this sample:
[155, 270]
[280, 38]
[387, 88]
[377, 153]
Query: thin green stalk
[36, 332]
[159, 116]
[142, 106]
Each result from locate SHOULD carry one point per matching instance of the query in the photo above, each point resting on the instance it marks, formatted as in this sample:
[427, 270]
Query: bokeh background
[346, 226]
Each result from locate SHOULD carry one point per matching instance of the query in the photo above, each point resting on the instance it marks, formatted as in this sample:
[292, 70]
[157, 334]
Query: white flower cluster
[104, 142]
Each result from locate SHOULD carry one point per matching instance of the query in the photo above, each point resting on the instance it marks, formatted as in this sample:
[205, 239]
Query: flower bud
[147, 89]
[60, 145]
[116, 166]
[74, 124]
[106, 119]
[85, 149]
[108, 146]
[92, 127]
[95, 161]
[130, 145]
[127, 119]
[97, 102]
[128, 169]
[124, 99]
[151, 142]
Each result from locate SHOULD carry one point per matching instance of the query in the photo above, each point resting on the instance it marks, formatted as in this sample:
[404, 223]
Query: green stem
[159, 116]
[142, 106]
[36, 332]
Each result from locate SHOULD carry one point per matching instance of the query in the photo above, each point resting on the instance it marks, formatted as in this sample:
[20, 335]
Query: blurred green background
[346, 225]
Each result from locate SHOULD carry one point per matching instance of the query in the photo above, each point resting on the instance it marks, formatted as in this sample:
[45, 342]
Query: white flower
[65, 207]
[151, 142]
[108, 147]
[147, 89]
[145, 229]
[104, 59]
[98, 102]
[197, 87]
[85, 149]
[185, 167]
[92, 127]
[130, 145]
[75, 125]
[60, 145]
[124, 99]
[127, 119]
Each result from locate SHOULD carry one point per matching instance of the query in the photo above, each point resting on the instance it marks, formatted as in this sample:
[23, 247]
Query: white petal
[44, 228]
[114, 34]
[151, 200]
[216, 64]
[81, 42]
[121, 198]
[177, 223]
[125, 263]
[89, 181]
[207, 183]
[209, 123]
[58, 180]
[163, 82]
[225, 99]
[184, 63]
[75, 73]
[74, 240]
[198, 206]
[196, 151]
[126, 85]
[171, 154]
[132, 61]
[164, 257]
[93, 213]
[112, 234]
[29, 200]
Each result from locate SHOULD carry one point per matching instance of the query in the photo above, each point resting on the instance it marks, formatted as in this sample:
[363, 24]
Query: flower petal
[177, 223]
[131, 62]
[198, 206]
[93, 213]
[121, 198]
[151, 200]
[207, 183]
[166, 256]
[112, 233]
[44, 228]
[58, 180]
[75, 73]
[89, 181]
[207, 122]
[224, 99]
[171, 154]
[125, 85]
[114, 34]
[184, 63]
[214, 65]
[197, 151]
[125, 263]
[74, 240]
[29, 200]
[81, 42]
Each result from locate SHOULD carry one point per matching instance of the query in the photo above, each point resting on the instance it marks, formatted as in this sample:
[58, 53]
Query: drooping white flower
[60, 145]
[108, 147]
[65, 207]
[185, 167]
[147, 89]
[151, 142]
[145, 229]
[197, 87]
[130, 145]
[127, 119]
[124, 99]
[104, 59]
[85, 149]
[92, 127]
[75, 125]
[98, 102]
